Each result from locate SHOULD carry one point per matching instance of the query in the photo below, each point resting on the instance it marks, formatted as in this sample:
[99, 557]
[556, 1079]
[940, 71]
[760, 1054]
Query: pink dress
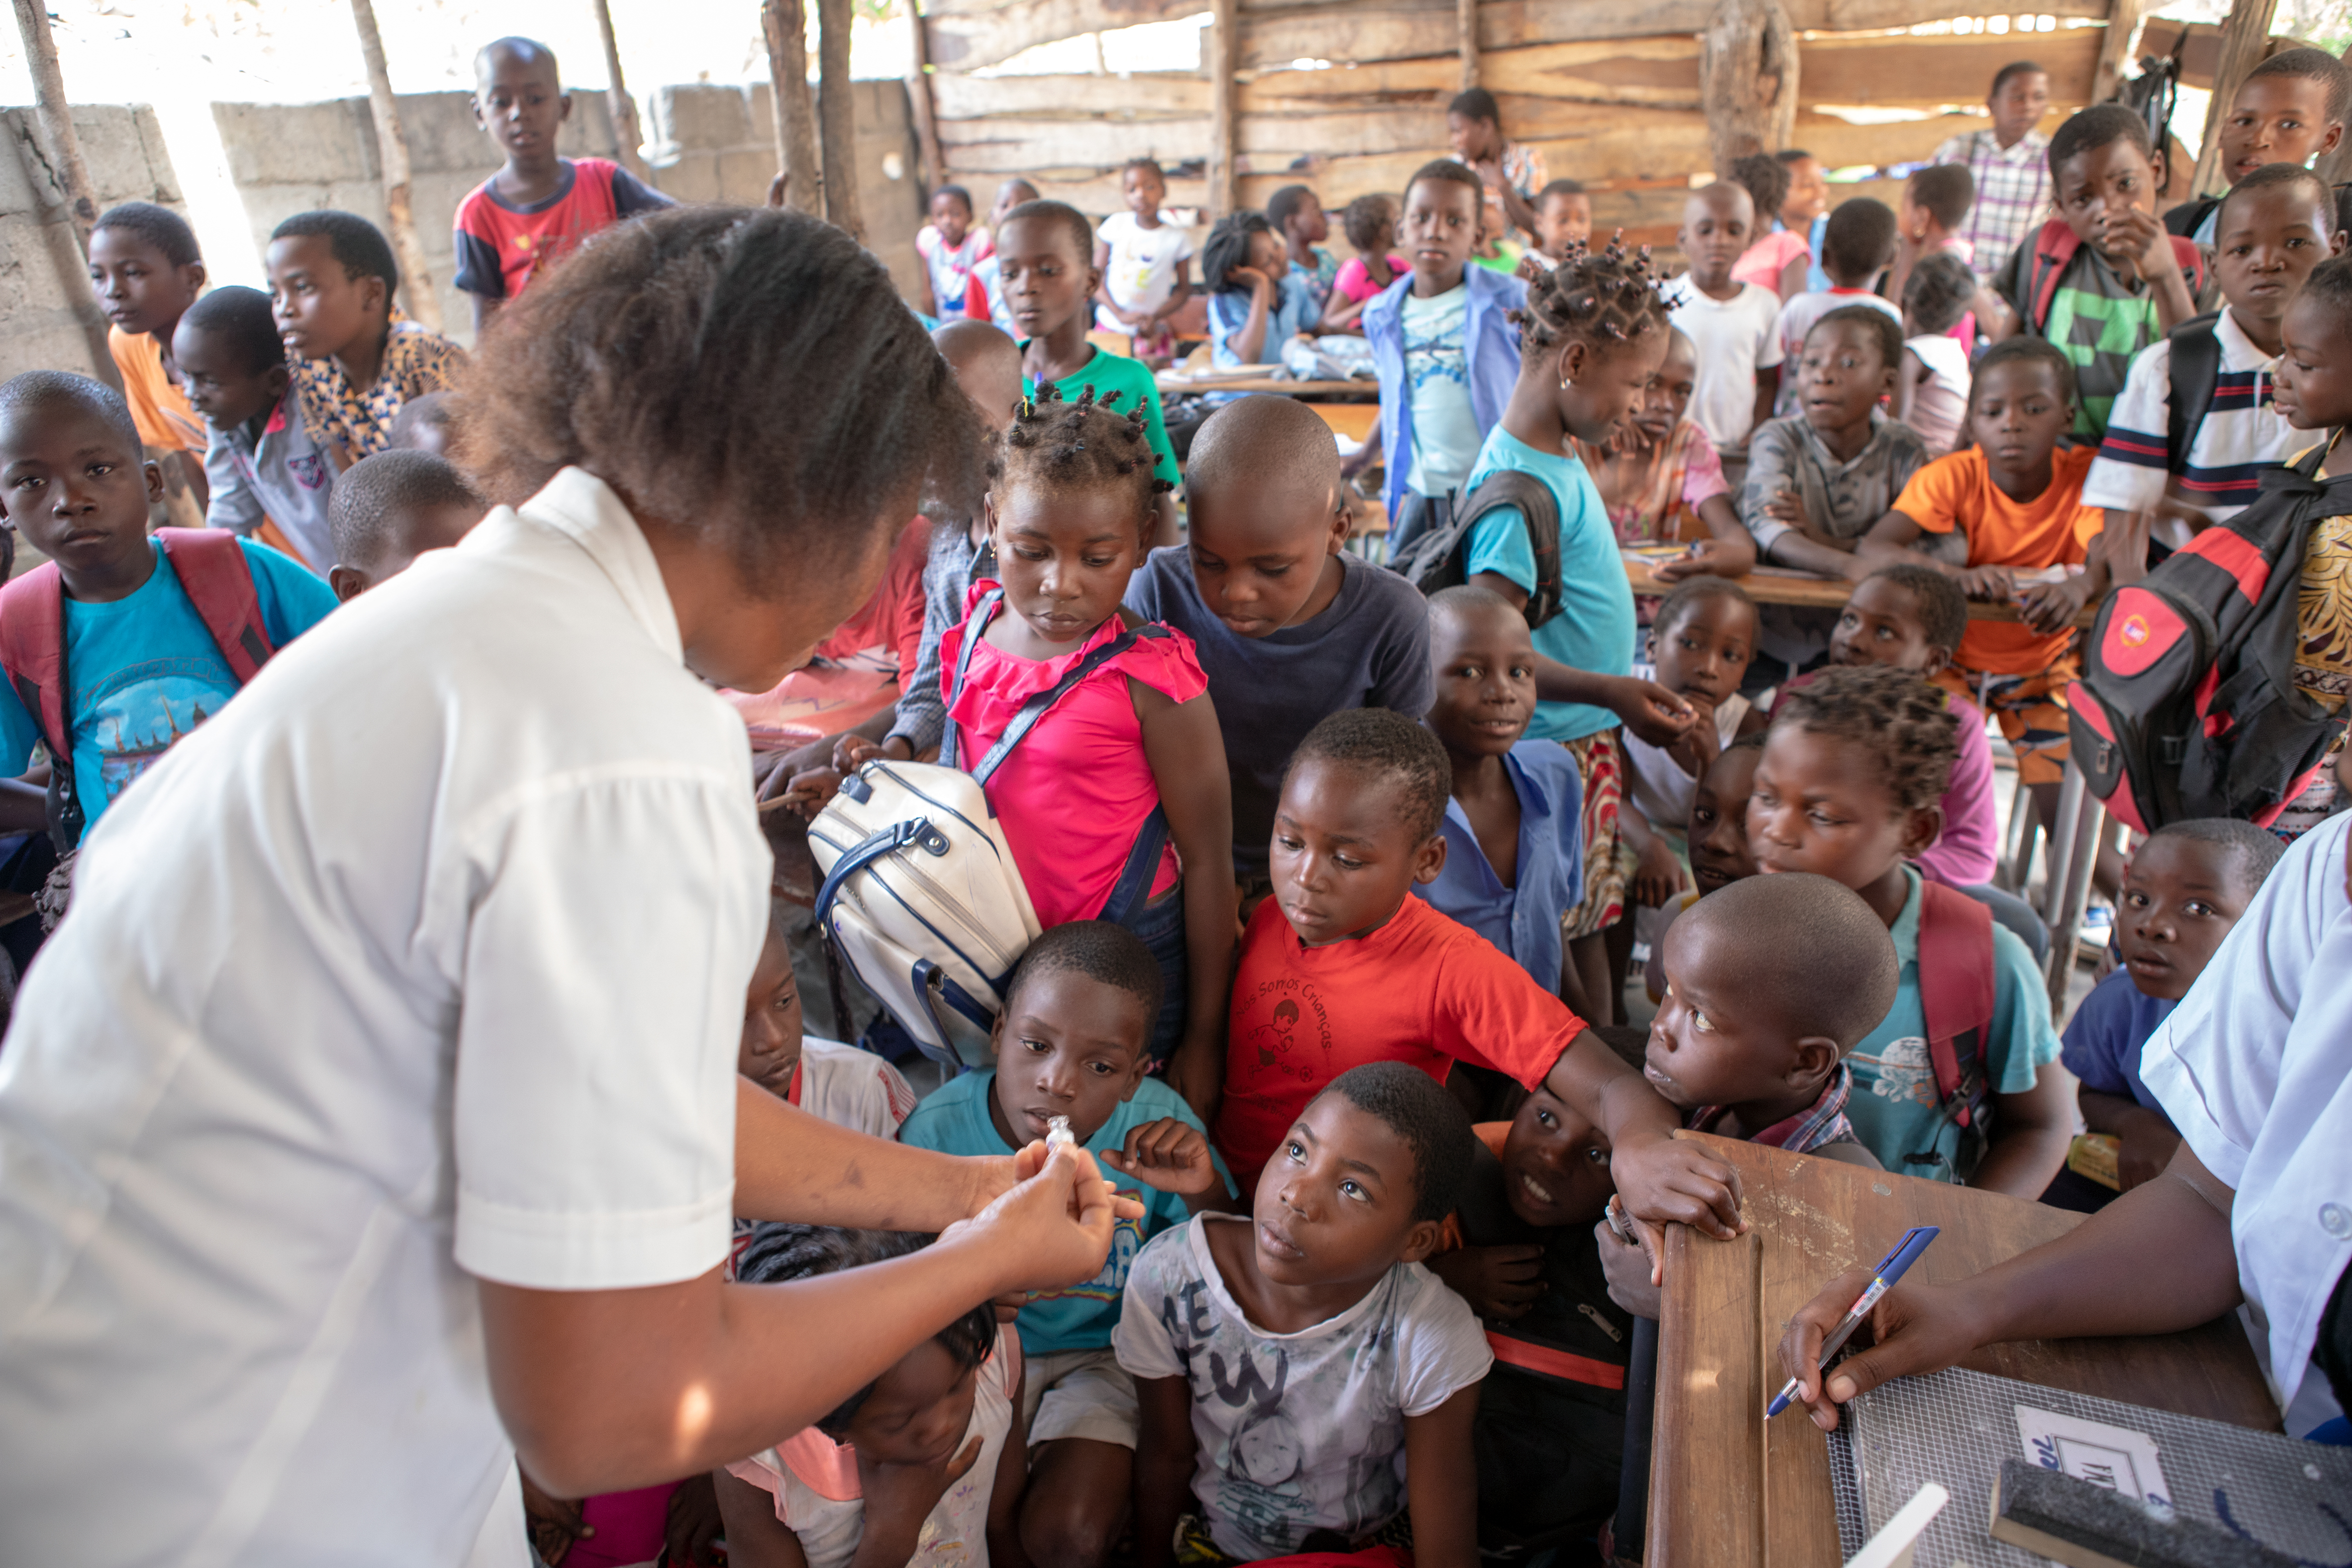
[1761, 262]
[1356, 282]
[1075, 794]
[1965, 854]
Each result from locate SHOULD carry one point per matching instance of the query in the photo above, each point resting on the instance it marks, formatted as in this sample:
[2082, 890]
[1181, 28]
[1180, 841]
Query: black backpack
[2195, 364]
[2187, 705]
[1439, 557]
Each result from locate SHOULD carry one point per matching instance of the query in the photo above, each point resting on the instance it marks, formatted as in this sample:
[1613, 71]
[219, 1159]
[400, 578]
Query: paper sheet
[2113, 1456]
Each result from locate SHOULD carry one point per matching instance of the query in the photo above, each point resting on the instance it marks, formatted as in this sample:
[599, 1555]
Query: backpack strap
[33, 657]
[1034, 708]
[1533, 500]
[2054, 247]
[1133, 889]
[1957, 991]
[2196, 360]
[217, 579]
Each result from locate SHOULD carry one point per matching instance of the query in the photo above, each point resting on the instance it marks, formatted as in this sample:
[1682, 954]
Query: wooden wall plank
[1143, 96]
[1007, 144]
[967, 39]
[1933, 71]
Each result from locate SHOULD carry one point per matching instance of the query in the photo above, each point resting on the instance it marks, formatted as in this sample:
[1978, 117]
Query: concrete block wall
[708, 143]
[53, 320]
[291, 158]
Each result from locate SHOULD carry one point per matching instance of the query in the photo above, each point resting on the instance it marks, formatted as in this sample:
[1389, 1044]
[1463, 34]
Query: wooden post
[1466, 27]
[55, 118]
[934, 171]
[2115, 48]
[836, 115]
[623, 107]
[786, 28]
[2245, 36]
[423, 304]
[1748, 81]
[1222, 47]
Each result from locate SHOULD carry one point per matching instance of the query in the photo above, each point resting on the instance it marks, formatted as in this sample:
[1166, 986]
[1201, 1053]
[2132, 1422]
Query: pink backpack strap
[1956, 991]
[215, 575]
[33, 652]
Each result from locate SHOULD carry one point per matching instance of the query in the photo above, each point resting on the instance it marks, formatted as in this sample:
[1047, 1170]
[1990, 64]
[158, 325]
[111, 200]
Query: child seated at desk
[2183, 891]
[1552, 1416]
[1853, 765]
[1661, 469]
[1302, 1376]
[1817, 482]
[2015, 501]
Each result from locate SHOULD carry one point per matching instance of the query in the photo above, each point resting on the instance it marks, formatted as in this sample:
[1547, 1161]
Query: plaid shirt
[2012, 191]
[1823, 1122]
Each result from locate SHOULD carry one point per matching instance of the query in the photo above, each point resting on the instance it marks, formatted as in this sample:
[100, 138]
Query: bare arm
[1909, 374]
[1163, 1466]
[792, 1165]
[2148, 1137]
[1768, 387]
[608, 1390]
[1888, 543]
[1647, 708]
[1442, 1483]
[1003, 1529]
[1248, 340]
[2063, 1289]
[1728, 550]
[1187, 753]
[2031, 1135]
[1178, 295]
[1793, 275]
[485, 307]
[1662, 1179]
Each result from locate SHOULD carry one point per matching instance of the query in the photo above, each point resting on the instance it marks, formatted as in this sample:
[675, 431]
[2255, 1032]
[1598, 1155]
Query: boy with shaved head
[536, 208]
[1289, 626]
[1734, 325]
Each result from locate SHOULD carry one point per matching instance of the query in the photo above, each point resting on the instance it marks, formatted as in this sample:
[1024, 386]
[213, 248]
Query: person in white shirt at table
[2254, 1068]
[372, 1121]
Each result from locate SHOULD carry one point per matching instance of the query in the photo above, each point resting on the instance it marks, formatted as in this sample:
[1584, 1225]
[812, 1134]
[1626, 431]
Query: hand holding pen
[1818, 1348]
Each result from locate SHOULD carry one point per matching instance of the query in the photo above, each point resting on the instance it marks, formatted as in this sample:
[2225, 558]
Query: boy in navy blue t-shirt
[2184, 889]
[142, 668]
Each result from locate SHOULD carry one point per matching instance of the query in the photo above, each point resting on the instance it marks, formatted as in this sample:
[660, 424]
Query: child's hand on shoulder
[1169, 1154]
[1499, 1282]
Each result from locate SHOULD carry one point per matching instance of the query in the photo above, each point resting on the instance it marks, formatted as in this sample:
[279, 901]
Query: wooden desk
[1726, 1490]
[1818, 592]
[1172, 385]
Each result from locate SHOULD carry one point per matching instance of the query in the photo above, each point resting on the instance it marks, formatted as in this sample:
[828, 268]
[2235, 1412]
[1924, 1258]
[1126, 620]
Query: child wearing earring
[1592, 334]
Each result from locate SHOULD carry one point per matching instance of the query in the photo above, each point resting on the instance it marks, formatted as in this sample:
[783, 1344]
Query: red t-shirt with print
[1422, 989]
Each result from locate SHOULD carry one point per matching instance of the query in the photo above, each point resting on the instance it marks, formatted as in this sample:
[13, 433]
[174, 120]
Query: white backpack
[921, 897]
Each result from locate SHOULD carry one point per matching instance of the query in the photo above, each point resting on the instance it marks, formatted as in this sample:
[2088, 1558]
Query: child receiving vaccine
[1126, 772]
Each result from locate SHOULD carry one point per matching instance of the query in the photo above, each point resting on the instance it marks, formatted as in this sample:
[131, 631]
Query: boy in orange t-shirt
[2018, 502]
[147, 272]
[1341, 966]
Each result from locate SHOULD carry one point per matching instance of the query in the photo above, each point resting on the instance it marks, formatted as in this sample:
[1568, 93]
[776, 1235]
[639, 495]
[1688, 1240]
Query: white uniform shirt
[425, 960]
[2241, 435]
[2254, 1068]
[1735, 338]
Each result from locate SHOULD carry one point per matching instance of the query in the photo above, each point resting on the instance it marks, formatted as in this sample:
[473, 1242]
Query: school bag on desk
[921, 897]
[2187, 705]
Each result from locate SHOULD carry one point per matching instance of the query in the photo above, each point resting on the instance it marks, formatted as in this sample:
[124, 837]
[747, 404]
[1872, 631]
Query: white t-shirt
[1296, 1432]
[814, 1481]
[424, 960]
[2254, 1068]
[853, 1087]
[1445, 434]
[1797, 318]
[2243, 432]
[1940, 405]
[1141, 272]
[1735, 338]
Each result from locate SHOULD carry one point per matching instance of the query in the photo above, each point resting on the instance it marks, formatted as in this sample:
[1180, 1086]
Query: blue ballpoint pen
[1890, 1268]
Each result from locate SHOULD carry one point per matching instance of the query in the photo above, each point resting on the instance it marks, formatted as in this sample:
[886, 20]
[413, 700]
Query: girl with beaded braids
[1851, 787]
[1070, 512]
[1592, 334]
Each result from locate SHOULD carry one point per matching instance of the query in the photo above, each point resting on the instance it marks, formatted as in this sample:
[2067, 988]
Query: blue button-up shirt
[1524, 921]
[1490, 352]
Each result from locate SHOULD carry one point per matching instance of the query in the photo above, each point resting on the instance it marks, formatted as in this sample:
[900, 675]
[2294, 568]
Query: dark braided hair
[1601, 299]
[779, 1252]
[1893, 714]
[1086, 443]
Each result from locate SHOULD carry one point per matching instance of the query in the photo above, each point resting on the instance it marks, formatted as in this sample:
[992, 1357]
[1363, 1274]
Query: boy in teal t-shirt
[1071, 1044]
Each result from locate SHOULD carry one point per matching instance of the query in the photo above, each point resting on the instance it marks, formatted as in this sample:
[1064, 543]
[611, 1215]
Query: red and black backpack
[1957, 990]
[213, 573]
[2187, 705]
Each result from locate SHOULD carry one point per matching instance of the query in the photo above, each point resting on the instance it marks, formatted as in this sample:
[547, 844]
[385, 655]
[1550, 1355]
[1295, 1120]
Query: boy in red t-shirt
[539, 206]
[1341, 966]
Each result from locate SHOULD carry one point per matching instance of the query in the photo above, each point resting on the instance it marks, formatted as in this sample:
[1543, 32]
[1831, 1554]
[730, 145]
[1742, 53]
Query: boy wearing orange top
[2017, 501]
[147, 272]
[1341, 967]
